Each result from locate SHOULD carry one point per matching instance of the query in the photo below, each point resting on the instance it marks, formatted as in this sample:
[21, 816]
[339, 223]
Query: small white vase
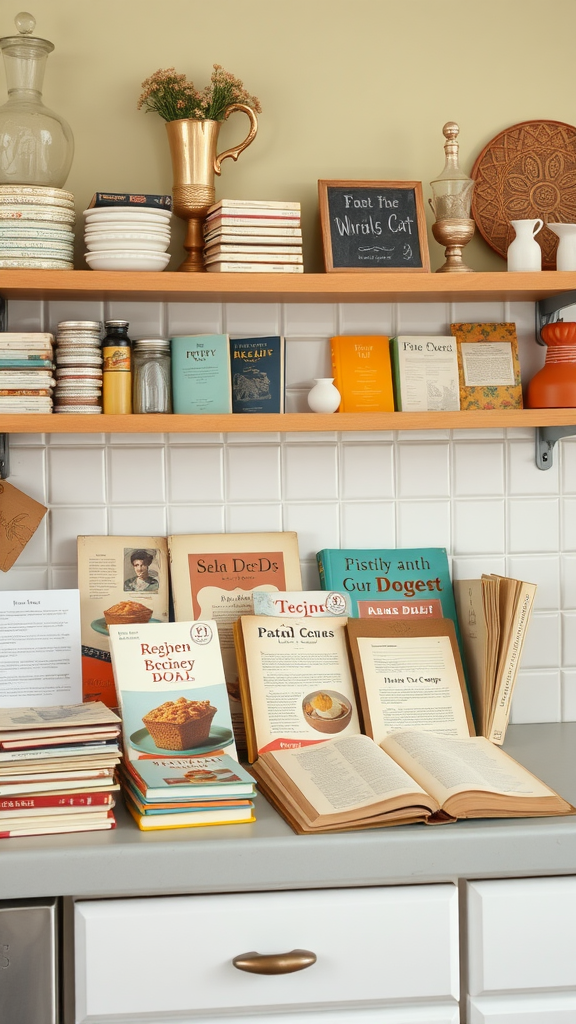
[324, 397]
[524, 253]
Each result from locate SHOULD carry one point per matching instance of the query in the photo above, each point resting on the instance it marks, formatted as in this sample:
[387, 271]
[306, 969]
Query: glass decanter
[36, 144]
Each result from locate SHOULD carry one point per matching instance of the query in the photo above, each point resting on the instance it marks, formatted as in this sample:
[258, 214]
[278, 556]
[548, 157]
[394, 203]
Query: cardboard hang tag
[20, 517]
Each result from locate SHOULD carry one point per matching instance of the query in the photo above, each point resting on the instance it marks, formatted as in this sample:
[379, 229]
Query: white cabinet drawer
[552, 1008]
[373, 946]
[521, 935]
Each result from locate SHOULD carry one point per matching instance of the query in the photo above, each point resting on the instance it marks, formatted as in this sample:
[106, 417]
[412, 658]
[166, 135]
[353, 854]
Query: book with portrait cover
[258, 367]
[214, 576]
[170, 682]
[121, 580]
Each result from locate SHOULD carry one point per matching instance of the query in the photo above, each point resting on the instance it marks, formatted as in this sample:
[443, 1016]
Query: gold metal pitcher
[194, 163]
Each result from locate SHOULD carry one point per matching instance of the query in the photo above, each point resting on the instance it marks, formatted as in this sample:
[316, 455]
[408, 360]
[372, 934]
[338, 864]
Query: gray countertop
[267, 855]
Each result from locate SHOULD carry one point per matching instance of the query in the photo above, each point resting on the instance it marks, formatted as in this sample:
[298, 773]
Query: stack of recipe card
[57, 769]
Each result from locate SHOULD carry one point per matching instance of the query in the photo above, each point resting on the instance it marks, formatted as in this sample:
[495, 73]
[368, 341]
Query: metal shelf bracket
[4, 456]
[546, 438]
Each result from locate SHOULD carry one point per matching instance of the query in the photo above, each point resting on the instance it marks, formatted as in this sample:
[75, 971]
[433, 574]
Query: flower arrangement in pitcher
[173, 97]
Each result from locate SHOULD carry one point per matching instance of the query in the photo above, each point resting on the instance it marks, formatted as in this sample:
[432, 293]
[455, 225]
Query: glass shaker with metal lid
[151, 387]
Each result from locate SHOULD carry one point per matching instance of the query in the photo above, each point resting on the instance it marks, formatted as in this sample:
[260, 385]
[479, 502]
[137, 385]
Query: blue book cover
[391, 583]
[258, 374]
[201, 380]
[191, 778]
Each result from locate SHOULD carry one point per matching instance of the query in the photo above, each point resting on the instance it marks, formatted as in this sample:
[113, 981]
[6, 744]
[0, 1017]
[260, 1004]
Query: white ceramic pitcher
[566, 251]
[524, 253]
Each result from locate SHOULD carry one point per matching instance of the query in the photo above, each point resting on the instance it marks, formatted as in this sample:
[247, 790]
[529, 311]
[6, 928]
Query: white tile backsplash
[477, 493]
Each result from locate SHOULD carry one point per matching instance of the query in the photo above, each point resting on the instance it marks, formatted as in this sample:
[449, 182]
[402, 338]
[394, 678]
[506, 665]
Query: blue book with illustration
[258, 374]
[184, 780]
[201, 373]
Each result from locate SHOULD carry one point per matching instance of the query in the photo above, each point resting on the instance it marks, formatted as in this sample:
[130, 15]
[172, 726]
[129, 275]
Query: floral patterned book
[488, 366]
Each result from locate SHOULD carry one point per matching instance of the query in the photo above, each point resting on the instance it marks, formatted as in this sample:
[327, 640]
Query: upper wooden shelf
[377, 286]
[472, 419]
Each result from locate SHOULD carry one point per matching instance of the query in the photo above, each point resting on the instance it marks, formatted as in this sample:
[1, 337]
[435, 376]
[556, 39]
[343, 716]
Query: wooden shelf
[473, 419]
[377, 286]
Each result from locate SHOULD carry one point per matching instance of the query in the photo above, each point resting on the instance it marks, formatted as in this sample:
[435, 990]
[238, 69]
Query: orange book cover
[488, 366]
[362, 373]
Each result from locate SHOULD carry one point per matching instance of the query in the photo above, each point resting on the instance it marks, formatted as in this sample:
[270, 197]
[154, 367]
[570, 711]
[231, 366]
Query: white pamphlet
[40, 643]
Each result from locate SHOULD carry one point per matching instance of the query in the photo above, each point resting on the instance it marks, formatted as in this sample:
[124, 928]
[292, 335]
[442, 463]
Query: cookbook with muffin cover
[295, 681]
[170, 681]
[214, 576]
[122, 580]
[420, 759]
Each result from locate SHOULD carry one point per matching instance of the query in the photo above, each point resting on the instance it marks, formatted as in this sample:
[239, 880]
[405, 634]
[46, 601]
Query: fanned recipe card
[420, 760]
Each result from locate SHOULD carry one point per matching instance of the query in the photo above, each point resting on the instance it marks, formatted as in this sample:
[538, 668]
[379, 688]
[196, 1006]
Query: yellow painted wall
[353, 89]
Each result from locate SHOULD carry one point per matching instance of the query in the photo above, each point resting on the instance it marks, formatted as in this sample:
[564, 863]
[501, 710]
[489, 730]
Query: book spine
[16, 392]
[252, 205]
[225, 248]
[126, 199]
[255, 268]
[254, 220]
[337, 371]
[321, 561]
[27, 803]
[396, 385]
[14, 362]
[246, 231]
[254, 257]
[511, 663]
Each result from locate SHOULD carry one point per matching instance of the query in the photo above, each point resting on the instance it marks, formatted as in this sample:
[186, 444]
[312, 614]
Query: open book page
[299, 683]
[449, 767]
[345, 778]
[478, 615]
[412, 682]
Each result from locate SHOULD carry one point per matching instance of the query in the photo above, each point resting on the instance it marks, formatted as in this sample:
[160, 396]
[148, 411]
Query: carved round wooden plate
[527, 171]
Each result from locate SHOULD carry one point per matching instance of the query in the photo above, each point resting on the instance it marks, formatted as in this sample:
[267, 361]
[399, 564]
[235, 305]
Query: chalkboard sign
[373, 225]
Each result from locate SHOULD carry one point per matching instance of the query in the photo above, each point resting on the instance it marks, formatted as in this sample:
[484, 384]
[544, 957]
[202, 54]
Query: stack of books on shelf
[57, 769]
[26, 378]
[250, 236]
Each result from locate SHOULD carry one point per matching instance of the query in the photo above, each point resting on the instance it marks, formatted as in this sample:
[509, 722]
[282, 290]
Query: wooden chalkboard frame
[369, 186]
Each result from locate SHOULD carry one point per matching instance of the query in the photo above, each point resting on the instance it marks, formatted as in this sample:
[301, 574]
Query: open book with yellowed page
[419, 759]
[353, 783]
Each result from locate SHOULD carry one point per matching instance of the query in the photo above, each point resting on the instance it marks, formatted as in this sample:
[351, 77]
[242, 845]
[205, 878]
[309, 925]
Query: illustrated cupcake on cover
[172, 691]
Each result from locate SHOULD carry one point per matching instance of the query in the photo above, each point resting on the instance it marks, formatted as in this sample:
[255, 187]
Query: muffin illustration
[126, 612]
[180, 724]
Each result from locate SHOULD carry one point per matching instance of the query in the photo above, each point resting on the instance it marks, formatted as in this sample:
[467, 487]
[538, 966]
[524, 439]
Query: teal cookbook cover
[201, 380]
[391, 583]
[258, 374]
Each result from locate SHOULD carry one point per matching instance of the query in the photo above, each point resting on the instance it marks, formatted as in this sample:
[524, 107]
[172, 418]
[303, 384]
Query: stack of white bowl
[127, 238]
[36, 227]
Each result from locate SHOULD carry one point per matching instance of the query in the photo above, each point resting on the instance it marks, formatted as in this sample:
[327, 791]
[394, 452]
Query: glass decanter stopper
[36, 144]
[452, 189]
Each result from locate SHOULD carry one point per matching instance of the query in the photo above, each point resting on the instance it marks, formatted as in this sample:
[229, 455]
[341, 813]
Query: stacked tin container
[78, 367]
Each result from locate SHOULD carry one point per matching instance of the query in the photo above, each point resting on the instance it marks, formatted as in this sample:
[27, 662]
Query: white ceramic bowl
[127, 259]
[137, 243]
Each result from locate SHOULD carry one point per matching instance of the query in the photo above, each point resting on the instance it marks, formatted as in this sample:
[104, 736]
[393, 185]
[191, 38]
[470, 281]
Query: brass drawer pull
[274, 963]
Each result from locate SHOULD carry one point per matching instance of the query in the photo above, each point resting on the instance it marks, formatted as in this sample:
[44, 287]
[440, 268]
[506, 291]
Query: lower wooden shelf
[297, 422]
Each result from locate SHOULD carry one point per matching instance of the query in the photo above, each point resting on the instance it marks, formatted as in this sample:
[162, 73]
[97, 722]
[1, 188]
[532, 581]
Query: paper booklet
[420, 759]
[494, 613]
[302, 603]
[170, 681]
[214, 577]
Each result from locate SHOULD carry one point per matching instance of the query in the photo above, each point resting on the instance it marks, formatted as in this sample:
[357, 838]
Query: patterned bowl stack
[78, 367]
[36, 227]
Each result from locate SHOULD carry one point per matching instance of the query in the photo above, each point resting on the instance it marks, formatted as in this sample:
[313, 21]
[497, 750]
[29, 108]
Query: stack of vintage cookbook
[251, 236]
[179, 768]
[57, 769]
[26, 378]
